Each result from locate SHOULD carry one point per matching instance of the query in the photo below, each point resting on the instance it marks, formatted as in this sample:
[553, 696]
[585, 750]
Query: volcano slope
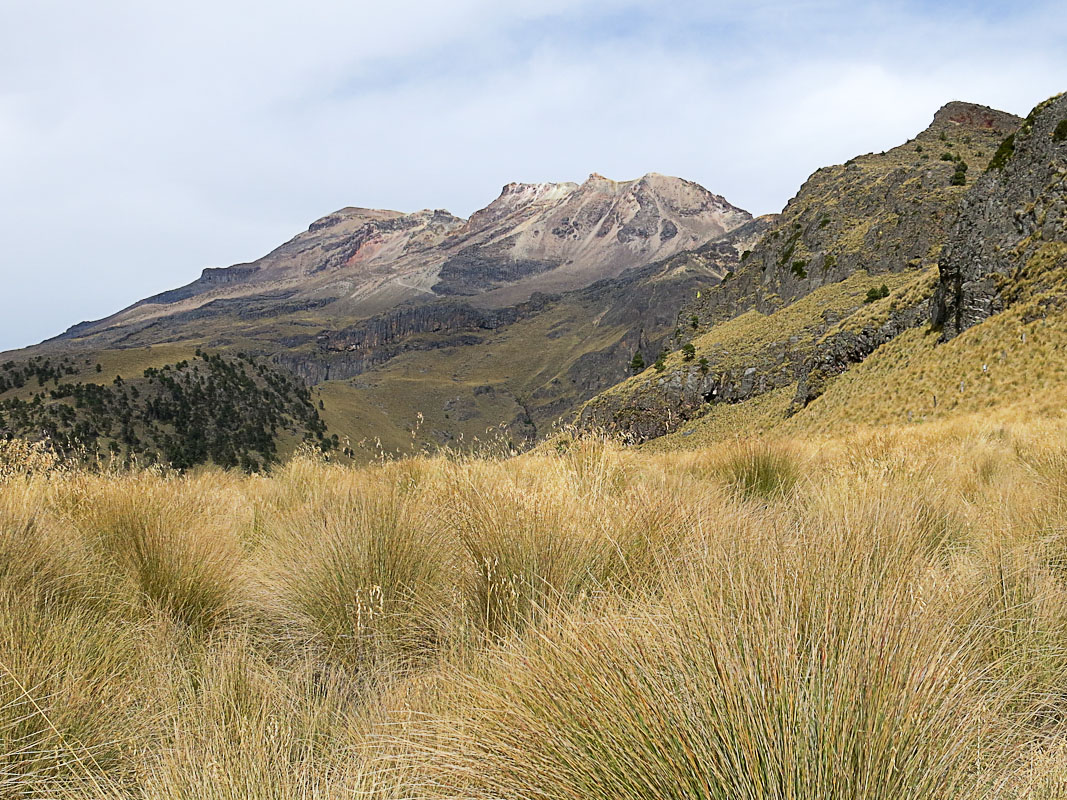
[424, 328]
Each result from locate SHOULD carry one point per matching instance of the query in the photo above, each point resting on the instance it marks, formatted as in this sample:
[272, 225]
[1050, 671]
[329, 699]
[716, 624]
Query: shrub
[948, 157]
[703, 366]
[959, 177]
[829, 262]
[688, 351]
[694, 322]
[1004, 152]
[1060, 132]
[799, 268]
[876, 294]
[661, 361]
[637, 363]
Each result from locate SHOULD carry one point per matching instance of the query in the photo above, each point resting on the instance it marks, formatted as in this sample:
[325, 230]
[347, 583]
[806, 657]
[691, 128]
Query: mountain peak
[354, 214]
[972, 115]
[560, 236]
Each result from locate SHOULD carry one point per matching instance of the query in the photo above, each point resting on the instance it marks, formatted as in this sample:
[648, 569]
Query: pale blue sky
[141, 142]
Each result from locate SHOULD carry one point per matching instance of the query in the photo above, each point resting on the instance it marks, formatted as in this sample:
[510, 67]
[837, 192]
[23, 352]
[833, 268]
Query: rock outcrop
[1011, 235]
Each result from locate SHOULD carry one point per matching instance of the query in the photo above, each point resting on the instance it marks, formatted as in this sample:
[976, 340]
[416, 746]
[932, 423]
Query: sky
[141, 142]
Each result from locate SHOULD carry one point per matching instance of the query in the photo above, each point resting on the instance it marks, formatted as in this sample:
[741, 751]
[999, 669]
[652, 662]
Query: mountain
[512, 317]
[795, 310]
[356, 262]
[956, 308]
[900, 286]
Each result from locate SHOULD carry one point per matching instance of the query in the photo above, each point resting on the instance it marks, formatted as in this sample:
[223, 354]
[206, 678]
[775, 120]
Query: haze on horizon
[140, 144]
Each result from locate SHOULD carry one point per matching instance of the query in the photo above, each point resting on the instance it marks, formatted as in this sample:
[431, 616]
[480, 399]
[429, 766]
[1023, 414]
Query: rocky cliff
[1011, 235]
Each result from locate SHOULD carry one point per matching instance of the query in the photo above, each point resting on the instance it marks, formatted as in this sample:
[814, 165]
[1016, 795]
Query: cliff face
[1011, 236]
[355, 349]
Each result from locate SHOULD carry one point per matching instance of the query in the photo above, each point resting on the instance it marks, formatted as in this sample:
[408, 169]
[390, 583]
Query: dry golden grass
[880, 615]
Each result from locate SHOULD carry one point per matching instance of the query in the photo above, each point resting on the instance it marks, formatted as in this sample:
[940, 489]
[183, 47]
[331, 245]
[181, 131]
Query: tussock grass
[72, 708]
[173, 548]
[363, 571]
[243, 728]
[757, 470]
[880, 615]
[783, 690]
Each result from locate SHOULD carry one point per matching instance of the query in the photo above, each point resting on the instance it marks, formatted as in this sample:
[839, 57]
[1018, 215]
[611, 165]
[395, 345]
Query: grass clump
[756, 470]
[362, 572]
[755, 678]
[71, 695]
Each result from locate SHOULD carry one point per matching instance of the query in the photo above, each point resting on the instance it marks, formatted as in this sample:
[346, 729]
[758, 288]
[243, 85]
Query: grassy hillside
[519, 377]
[739, 359]
[950, 249]
[874, 616]
[1011, 367]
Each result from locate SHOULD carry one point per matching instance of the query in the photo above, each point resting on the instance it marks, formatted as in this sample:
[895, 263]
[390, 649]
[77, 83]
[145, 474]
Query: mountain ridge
[539, 304]
[533, 237]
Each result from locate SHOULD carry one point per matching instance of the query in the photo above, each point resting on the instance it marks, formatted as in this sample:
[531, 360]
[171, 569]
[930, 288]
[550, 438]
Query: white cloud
[141, 142]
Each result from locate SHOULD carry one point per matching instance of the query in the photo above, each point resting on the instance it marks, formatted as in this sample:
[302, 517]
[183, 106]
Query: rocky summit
[544, 237]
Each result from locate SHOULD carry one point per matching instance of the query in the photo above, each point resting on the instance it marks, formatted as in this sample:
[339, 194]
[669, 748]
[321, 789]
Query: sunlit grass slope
[876, 615]
[1011, 367]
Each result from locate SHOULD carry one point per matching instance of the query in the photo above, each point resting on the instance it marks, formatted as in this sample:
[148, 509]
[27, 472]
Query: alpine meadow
[609, 490]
